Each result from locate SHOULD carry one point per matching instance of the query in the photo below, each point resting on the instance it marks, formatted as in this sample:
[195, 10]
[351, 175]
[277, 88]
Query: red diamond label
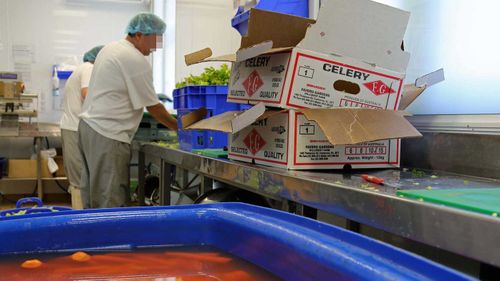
[253, 83]
[254, 141]
[379, 88]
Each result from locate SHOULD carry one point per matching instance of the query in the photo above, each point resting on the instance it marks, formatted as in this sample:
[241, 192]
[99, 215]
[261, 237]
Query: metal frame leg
[207, 184]
[165, 182]
[309, 212]
[38, 144]
[353, 226]
[141, 178]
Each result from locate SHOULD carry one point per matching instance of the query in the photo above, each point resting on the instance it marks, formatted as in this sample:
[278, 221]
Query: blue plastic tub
[292, 7]
[289, 246]
[39, 208]
[213, 98]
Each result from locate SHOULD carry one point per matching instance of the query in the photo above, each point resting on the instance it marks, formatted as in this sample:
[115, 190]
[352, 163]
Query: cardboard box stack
[326, 92]
[10, 85]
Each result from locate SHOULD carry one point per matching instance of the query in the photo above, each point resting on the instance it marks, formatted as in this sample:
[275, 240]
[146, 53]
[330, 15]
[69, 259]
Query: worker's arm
[160, 113]
[83, 93]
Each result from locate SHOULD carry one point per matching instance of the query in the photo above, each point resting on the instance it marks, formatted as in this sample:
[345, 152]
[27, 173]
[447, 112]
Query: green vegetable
[418, 174]
[211, 76]
[172, 145]
[22, 212]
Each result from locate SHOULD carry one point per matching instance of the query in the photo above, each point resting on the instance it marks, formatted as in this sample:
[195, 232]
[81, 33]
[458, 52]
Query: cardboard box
[10, 85]
[2, 89]
[60, 163]
[350, 57]
[8, 90]
[310, 138]
[26, 169]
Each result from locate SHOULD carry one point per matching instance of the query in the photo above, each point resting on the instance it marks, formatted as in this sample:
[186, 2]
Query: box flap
[268, 32]
[198, 56]
[412, 91]
[351, 125]
[255, 50]
[204, 56]
[221, 122]
[229, 122]
[361, 29]
[193, 117]
[282, 29]
[430, 78]
[248, 117]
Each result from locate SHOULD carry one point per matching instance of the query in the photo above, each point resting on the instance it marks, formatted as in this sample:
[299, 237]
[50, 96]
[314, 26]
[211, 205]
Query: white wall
[462, 37]
[57, 30]
[201, 24]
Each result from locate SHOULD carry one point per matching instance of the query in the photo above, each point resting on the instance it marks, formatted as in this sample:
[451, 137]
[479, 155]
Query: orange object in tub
[180, 264]
[30, 264]
[80, 256]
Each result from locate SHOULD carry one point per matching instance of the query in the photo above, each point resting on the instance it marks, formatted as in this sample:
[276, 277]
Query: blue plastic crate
[189, 140]
[214, 99]
[201, 139]
[292, 7]
[286, 245]
[194, 97]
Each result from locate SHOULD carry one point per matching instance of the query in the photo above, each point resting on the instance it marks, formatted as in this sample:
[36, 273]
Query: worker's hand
[159, 112]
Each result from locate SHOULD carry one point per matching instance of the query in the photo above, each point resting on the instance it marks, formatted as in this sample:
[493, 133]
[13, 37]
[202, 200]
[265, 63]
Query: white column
[164, 59]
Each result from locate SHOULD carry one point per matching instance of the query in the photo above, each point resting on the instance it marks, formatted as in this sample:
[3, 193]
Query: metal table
[39, 131]
[347, 195]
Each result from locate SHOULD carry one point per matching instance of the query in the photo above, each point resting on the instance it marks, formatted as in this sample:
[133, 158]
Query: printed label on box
[259, 79]
[320, 81]
[311, 147]
[264, 140]
[267, 142]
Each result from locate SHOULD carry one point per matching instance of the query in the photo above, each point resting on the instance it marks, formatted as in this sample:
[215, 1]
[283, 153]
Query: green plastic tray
[214, 153]
[482, 200]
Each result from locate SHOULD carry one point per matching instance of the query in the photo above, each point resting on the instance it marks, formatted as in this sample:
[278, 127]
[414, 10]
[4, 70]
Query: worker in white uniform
[120, 88]
[75, 91]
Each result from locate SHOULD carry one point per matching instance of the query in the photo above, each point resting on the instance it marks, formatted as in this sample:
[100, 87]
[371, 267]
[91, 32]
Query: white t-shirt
[120, 87]
[79, 79]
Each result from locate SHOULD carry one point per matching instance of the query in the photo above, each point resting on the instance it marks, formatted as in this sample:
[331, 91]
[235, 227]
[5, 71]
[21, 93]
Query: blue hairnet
[147, 24]
[92, 54]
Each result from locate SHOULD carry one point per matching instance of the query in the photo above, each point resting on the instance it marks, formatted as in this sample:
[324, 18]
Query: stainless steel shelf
[16, 100]
[21, 113]
[347, 195]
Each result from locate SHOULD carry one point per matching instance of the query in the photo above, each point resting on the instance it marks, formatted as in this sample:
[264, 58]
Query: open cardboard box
[350, 57]
[310, 138]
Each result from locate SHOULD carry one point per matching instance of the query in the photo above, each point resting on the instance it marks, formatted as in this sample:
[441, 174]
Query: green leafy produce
[211, 76]
[417, 173]
[172, 145]
[22, 212]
